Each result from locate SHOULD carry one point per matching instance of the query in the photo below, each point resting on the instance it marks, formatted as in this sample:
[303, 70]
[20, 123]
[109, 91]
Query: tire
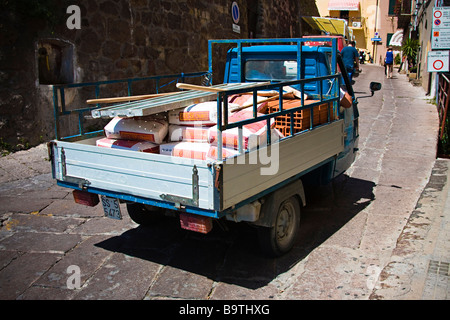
[279, 239]
[143, 214]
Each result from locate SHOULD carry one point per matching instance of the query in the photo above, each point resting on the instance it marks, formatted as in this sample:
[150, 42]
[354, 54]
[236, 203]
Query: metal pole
[375, 30]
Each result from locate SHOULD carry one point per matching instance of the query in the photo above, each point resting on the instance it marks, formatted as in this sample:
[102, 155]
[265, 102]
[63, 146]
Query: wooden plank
[166, 103]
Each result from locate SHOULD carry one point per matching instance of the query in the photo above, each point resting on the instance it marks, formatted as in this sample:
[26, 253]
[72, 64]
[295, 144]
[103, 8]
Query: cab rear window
[282, 70]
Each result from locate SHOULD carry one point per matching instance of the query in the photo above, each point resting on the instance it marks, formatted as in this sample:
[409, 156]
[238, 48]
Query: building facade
[373, 23]
[65, 41]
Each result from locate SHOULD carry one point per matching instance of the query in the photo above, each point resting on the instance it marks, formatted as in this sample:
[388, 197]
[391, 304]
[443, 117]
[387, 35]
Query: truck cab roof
[277, 63]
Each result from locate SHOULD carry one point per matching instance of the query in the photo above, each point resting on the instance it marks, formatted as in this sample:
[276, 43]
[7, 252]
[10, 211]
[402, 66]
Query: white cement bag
[148, 128]
[186, 133]
[254, 134]
[247, 100]
[204, 113]
[132, 145]
[194, 150]
[226, 153]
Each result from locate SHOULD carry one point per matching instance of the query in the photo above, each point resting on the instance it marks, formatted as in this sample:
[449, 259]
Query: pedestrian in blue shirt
[389, 62]
[350, 56]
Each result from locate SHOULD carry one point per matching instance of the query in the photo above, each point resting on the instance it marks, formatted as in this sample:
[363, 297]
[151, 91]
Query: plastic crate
[302, 119]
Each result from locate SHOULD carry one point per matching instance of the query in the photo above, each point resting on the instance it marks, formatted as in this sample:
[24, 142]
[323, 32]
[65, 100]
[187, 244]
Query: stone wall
[117, 39]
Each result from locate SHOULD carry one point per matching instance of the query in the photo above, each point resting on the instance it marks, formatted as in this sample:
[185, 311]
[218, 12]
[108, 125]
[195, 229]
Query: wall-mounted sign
[438, 61]
[235, 14]
[440, 35]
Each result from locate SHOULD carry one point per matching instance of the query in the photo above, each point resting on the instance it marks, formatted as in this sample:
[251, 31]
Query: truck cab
[277, 63]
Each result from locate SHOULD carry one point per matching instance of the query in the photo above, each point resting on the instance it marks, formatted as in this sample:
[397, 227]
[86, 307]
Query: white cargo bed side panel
[296, 154]
[134, 173]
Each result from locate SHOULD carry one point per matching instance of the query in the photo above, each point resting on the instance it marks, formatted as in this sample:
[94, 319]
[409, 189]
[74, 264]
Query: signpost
[376, 37]
[438, 61]
[440, 37]
[235, 14]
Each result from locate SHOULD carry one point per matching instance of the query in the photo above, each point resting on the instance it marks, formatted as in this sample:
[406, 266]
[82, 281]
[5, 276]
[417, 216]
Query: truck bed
[162, 180]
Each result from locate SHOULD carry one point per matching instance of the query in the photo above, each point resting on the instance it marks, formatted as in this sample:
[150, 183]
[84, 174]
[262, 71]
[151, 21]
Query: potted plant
[410, 48]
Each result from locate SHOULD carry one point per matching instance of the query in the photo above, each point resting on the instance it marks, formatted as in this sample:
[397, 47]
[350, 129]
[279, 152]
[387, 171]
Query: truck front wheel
[143, 214]
[279, 239]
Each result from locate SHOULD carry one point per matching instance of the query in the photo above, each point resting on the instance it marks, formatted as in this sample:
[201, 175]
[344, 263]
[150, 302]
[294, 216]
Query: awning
[343, 5]
[397, 39]
[330, 26]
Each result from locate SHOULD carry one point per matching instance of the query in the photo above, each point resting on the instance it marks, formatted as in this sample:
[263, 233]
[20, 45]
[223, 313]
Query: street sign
[235, 12]
[438, 61]
[440, 35]
[441, 17]
[375, 39]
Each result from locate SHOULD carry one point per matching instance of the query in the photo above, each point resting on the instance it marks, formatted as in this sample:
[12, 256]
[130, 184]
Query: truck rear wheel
[279, 239]
[144, 214]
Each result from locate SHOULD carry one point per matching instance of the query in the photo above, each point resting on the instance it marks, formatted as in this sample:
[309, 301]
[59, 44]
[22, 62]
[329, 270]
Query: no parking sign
[438, 61]
[440, 36]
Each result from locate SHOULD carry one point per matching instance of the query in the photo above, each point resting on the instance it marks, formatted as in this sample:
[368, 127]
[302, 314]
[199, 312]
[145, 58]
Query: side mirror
[375, 86]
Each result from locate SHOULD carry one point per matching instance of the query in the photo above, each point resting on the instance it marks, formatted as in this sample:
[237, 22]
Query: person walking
[389, 62]
[350, 57]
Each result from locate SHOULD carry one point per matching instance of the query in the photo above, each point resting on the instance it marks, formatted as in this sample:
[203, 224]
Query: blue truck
[262, 186]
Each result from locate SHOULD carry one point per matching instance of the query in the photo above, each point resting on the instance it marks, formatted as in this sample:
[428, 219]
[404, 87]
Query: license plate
[111, 208]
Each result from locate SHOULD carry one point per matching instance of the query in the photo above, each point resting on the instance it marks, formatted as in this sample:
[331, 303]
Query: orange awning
[343, 5]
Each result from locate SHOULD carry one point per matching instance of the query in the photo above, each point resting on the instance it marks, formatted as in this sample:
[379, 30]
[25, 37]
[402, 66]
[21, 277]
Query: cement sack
[200, 114]
[194, 150]
[132, 145]
[148, 128]
[254, 134]
[186, 133]
[246, 100]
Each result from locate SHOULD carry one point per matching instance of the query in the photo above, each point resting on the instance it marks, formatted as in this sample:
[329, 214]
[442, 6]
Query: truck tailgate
[131, 173]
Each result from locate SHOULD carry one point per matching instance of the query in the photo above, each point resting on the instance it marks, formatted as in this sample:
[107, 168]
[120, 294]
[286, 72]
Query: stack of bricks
[302, 119]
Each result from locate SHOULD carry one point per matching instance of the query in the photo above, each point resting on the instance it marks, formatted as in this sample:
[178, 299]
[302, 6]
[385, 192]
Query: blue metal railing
[222, 100]
[331, 97]
[59, 101]
[297, 41]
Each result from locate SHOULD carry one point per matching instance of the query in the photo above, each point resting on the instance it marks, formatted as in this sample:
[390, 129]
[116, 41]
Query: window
[388, 39]
[55, 62]
[282, 70]
[344, 14]
[391, 9]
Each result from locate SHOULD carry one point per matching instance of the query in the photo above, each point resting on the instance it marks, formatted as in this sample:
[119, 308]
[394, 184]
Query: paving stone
[37, 222]
[68, 207]
[22, 272]
[86, 255]
[177, 283]
[121, 277]
[40, 242]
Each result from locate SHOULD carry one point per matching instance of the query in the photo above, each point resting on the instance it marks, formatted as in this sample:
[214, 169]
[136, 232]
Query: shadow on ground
[230, 253]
